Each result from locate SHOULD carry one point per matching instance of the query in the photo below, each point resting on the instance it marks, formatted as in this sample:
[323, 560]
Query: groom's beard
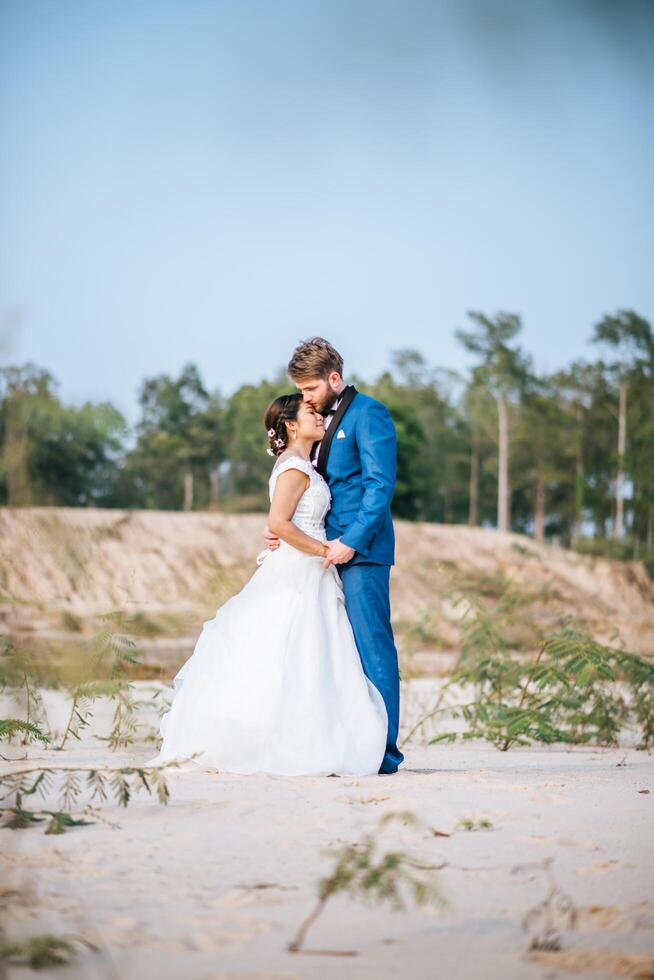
[329, 402]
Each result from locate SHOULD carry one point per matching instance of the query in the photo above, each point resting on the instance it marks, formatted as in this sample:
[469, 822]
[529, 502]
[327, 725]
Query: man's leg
[367, 601]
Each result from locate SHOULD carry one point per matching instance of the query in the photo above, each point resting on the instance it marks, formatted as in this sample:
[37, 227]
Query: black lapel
[348, 396]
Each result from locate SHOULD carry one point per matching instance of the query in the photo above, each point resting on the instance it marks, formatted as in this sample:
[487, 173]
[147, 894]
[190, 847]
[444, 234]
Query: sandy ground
[215, 885]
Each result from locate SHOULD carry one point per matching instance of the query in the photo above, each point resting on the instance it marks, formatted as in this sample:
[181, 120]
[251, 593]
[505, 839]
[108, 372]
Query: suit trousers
[367, 600]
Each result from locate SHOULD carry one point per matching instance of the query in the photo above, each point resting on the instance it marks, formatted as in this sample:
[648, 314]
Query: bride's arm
[289, 488]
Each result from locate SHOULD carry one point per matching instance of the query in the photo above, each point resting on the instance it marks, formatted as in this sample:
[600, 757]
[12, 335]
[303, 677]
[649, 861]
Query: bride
[275, 682]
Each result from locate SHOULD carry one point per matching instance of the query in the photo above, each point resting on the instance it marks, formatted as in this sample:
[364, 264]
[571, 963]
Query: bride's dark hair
[280, 411]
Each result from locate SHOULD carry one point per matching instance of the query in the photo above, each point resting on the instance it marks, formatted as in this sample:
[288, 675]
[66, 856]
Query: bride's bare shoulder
[290, 461]
[294, 463]
[285, 456]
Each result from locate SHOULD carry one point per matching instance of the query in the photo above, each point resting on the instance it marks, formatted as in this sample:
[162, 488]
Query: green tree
[476, 409]
[249, 465]
[27, 395]
[430, 457]
[408, 499]
[503, 370]
[572, 390]
[641, 470]
[542, 459]
[180, 442]
[55, 453]
[630, 337]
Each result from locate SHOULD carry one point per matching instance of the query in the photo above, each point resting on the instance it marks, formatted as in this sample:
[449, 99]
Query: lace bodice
[314, 503]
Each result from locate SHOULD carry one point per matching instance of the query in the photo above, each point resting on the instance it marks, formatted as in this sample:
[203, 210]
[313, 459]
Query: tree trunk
[188, 490]
[446, 505]
[214, 479]
[16, 453]
[579, 484]
[539, 512]
[579, 499]
[622, 442]
[503, 464]
[473, 508]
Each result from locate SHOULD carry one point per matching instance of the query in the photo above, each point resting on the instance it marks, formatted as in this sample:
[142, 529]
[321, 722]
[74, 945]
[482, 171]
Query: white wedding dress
[275, 682]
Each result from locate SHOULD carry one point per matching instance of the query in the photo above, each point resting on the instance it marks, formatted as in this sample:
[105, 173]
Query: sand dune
[57, 562]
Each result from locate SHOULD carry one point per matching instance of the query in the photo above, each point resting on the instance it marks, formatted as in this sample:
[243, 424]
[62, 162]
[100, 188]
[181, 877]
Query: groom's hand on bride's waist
[272, 541]
[338, 554]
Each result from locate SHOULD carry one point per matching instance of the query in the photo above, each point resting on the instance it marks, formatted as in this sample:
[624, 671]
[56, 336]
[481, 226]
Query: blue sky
[212, 181]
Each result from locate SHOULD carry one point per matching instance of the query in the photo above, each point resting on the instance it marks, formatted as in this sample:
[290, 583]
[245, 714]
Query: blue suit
[358, 458]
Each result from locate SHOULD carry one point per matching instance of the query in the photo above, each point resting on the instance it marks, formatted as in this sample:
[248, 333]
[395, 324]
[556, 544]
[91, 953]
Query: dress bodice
[314, 503]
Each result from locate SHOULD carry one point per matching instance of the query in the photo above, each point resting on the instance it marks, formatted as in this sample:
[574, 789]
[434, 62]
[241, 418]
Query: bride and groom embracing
[298, 672]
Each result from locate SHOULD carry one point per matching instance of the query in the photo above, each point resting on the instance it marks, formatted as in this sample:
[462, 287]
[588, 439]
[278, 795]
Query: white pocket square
[340, 434]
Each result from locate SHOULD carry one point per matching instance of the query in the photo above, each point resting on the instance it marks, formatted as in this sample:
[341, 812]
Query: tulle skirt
[275, 682]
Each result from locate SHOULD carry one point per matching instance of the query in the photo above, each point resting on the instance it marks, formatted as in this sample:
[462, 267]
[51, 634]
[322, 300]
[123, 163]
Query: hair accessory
[269, 451]
[279, 443]
[271, 433]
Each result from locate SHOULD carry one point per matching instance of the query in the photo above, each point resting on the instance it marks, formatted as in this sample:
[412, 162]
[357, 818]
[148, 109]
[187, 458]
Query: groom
[357, 458]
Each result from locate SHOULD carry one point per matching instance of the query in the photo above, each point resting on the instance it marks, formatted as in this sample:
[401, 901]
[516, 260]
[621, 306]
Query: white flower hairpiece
[271, 433]
[279, 443]
[269, 451]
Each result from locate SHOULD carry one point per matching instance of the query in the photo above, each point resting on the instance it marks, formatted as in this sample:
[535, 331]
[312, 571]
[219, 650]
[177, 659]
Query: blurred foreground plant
[474, 823]
[574, 690]
[44, 951]
[102, 783]
[17, 674]
[362, 872]
[548, 919]
[114, 648]
[103, 676]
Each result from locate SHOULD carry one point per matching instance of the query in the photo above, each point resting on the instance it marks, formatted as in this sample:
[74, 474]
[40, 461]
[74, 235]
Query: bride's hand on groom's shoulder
[338, 554]
[272, 541]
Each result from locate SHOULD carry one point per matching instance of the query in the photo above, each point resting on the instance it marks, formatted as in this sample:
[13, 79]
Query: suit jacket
[358, 459]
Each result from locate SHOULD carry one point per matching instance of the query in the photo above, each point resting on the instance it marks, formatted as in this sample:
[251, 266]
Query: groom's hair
[314, 358]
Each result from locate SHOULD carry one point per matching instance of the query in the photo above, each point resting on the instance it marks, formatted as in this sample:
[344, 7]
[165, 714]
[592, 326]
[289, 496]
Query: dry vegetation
[62, 568]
